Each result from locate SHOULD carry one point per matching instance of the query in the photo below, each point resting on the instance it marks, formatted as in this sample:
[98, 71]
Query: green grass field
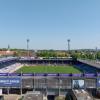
[48, 69]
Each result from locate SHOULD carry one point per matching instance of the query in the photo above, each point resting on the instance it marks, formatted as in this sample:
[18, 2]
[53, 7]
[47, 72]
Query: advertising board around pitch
[10, 82]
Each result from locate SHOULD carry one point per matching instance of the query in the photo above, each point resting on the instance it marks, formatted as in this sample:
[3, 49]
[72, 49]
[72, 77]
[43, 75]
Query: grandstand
[9, 65]
[93, 63]
[86, 68]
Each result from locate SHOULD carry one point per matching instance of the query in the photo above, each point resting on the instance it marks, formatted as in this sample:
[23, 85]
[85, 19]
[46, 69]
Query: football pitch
[48, 69]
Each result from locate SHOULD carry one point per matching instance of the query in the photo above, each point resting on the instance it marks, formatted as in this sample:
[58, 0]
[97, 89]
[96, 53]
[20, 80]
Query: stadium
[50, 79]
[49, 49]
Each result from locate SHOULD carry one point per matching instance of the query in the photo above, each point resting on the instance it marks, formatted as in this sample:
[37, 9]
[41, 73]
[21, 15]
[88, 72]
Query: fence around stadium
[50, 81]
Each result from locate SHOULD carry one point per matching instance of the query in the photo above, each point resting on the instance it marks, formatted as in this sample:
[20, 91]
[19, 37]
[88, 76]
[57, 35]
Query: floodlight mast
[68, 45]
[28, 47]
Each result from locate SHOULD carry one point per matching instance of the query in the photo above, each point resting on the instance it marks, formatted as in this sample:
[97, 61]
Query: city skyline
[49, 24]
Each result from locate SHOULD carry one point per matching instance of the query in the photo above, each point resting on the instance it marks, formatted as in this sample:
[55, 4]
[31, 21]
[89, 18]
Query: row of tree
[78, 54]
[86, 55]
[51, 53]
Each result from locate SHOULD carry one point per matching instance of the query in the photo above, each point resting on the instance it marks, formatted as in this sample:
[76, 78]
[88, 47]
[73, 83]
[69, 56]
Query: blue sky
[49, 23]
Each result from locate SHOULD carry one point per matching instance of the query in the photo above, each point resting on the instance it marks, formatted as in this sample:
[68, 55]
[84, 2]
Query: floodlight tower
[68, 45]
[28, 47]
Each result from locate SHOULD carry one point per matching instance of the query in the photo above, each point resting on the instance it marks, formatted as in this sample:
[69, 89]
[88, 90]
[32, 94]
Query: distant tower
[8, 47]
[96, 49]
[68, 45]
[28, 47]
[8, 50]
